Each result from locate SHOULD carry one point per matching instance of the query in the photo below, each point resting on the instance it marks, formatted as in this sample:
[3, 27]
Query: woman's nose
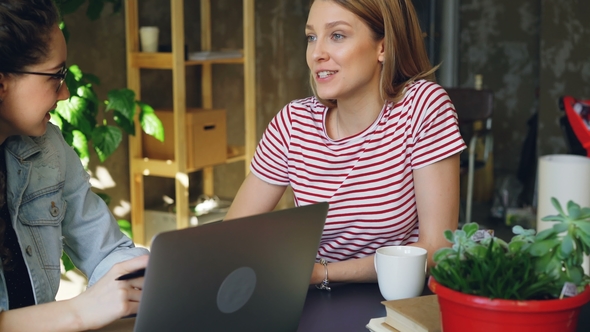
[63, 93]
[319, 52]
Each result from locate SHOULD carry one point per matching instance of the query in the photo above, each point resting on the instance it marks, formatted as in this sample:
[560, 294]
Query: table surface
[348, 307]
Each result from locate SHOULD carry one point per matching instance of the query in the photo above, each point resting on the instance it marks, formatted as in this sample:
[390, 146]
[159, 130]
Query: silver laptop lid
[247, 274]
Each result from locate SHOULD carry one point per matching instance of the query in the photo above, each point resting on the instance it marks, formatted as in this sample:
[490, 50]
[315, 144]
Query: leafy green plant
[530, 266]
[77, 117]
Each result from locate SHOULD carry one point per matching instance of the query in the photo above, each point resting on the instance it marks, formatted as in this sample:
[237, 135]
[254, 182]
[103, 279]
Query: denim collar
[23, 147]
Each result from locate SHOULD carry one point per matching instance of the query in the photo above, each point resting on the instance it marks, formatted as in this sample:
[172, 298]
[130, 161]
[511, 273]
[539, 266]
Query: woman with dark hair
[379, 140]
[46, 205]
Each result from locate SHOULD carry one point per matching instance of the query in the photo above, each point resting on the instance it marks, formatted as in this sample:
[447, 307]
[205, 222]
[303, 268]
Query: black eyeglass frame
[61, 75]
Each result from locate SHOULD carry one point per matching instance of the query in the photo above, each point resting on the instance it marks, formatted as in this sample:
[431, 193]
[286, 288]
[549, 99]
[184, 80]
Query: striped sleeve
[434, 126]
[270, 162]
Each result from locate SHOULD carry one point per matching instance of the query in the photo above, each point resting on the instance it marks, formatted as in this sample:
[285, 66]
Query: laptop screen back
[248, 274]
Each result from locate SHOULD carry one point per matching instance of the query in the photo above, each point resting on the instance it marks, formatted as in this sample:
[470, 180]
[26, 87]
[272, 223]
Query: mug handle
[375, 261]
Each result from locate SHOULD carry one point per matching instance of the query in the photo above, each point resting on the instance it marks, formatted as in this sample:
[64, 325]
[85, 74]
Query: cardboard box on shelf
[206, 138]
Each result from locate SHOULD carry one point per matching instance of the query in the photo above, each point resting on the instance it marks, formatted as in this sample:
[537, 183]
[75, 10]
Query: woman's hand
[110, 299]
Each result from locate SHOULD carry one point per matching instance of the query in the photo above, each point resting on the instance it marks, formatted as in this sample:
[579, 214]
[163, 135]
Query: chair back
[471, 104]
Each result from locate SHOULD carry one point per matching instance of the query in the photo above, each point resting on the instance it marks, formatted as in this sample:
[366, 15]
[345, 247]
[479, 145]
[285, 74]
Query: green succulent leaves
[530, 266]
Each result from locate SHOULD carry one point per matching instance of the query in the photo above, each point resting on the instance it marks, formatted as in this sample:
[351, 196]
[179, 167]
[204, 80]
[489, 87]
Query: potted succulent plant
[535, 282]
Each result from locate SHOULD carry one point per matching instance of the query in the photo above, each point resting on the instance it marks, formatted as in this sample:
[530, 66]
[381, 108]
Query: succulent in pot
[532, 272]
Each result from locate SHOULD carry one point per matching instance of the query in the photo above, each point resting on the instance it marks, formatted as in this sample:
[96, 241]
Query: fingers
[134, 295]
[136, 283]
[131, 265]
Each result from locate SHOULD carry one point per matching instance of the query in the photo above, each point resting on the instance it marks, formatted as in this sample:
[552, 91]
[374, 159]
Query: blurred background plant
[91, 124]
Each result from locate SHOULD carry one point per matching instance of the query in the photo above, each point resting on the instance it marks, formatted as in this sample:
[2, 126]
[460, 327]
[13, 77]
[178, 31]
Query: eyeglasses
[60, 75]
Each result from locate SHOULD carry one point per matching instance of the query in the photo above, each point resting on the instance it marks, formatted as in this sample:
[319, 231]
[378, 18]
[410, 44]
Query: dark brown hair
[405, 59]
[25, 31]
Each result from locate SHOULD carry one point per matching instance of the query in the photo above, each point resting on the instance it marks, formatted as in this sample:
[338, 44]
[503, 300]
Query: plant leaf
[470, 229]
[583, 225]
[540, 248]
[557, 206]
[123, 122]
[125, 227]
[574, 210]
[544, 234]
[72, 110]
[443, 253]
[449, 236]
[91, 78]
[560, 227]
[75, 72]
[80, 145]
[65, 31]
[555, 218]
[517, 229]
[56, 119]
[122, 100]
[585, 214]
[106, 198]
[106, 140]
[68, 6]
[515, 246]
[94, 9]
[67, 262]
[86, 92]
[150, 123]
[567, 245]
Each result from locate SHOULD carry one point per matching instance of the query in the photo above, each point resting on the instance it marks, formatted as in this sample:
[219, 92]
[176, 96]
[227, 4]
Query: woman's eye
[310, 38]
[337, 36]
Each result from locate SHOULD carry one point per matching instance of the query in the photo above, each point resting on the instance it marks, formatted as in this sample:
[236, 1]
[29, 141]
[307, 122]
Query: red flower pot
[463, 312]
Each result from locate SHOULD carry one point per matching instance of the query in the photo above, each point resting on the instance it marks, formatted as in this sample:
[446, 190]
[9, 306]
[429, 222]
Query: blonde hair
[405, 58]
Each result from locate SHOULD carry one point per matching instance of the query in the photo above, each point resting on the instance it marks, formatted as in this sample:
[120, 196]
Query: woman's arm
[108, 300]
[92, 238]
[254, 197]
[437, 198]
[352, 270]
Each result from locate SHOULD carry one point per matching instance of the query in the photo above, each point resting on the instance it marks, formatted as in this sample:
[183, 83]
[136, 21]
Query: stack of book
[418, 314]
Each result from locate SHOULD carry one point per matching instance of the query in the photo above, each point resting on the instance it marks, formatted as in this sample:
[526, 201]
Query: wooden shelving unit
[175, 61]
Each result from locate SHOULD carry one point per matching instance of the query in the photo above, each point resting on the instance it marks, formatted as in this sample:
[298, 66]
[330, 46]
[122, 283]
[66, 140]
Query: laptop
[247, 274]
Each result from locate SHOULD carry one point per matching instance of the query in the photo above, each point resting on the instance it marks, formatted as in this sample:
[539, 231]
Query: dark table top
[349, 307]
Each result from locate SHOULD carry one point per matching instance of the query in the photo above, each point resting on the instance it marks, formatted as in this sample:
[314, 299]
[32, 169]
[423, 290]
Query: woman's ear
[3, 85]
[381, 53]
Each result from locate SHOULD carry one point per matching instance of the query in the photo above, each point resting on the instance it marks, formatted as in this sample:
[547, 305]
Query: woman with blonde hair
[379, 140]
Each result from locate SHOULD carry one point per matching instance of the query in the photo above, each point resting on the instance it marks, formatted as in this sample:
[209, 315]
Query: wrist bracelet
[325, 284]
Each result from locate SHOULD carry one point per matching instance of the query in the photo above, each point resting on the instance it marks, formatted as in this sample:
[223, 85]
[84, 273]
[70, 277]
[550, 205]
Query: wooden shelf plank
[151, 60]
[147, 166]
[239, 60]
[168, 168]
[163, 60]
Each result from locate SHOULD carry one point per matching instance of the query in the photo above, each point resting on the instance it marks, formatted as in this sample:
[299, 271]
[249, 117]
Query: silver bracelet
[325, 284]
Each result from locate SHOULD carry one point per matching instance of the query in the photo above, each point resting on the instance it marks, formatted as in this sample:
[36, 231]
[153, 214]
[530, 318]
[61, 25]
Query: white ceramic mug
[401, 271]
[148, 37]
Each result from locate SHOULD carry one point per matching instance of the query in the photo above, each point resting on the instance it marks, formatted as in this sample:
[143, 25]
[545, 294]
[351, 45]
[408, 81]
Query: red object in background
[578, 115]
[464, 312]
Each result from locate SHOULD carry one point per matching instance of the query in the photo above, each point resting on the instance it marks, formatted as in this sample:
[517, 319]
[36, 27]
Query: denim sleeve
[91, 234]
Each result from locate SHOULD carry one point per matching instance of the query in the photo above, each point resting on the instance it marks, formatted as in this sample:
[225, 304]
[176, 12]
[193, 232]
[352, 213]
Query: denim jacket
[52, 209]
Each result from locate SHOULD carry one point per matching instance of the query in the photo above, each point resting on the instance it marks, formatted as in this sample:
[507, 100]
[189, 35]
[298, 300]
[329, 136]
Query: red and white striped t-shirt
[366, 178]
